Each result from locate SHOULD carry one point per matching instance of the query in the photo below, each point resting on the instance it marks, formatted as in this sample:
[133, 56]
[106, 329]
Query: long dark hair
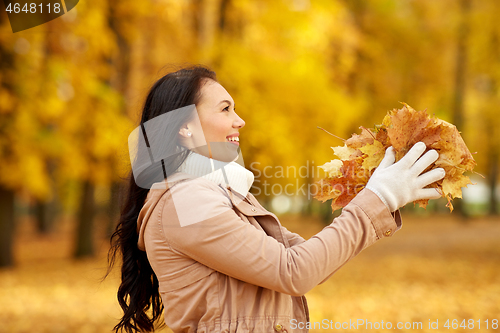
[138, 291]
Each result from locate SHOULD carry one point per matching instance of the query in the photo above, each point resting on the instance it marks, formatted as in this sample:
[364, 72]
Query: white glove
[400, 183]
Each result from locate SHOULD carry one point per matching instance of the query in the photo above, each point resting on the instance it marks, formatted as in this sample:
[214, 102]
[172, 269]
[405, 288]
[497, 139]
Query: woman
[195, 241]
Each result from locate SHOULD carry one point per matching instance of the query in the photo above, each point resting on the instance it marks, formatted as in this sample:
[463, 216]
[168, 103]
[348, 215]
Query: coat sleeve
[293, 238]
[214, 235]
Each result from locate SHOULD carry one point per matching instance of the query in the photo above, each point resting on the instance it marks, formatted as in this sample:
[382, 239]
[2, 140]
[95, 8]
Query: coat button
[388, 232]
[278, 328]
[254, 210]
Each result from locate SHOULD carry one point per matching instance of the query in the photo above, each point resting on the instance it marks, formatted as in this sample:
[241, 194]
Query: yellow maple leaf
[453, 186]
[332, 168]
[343, 152]
[374, 155]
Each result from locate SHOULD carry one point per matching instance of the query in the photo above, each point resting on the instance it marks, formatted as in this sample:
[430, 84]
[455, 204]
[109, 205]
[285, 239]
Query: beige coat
[238, 269]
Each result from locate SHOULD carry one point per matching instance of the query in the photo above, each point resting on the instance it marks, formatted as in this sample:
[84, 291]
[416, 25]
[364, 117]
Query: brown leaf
[359, 140]
[404, 125]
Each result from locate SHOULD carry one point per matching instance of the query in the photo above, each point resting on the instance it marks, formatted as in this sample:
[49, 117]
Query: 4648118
[33, 8]
[471, 324]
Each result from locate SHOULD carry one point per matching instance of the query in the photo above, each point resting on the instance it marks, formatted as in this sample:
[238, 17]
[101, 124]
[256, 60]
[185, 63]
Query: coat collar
[247, 204]
[227, 174]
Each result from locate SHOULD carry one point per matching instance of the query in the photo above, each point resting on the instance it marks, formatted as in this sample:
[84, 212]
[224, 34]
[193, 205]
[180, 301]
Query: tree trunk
[355, 81]
[114, 206]
[492, 131]
[223, 31]
[6, 226]
[197, 12]
[84, 235]
[121, 61]
[44, 218]
[46, 211]
[460, 77]
[493, 179]
[223, 8]
[121, 81]
[7, 86]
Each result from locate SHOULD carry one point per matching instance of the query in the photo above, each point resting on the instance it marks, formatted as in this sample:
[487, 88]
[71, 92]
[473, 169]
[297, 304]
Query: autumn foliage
[362, 153]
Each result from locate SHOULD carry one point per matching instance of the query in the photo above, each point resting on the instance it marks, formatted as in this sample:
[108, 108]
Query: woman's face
[216, 134]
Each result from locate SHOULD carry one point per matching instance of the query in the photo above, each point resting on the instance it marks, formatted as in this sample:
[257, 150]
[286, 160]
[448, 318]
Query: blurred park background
[71, 91]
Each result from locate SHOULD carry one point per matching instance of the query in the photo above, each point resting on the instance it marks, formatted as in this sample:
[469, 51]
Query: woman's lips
[234, 138]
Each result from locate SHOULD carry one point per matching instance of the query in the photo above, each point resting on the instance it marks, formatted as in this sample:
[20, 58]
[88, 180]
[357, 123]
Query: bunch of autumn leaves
[362, 153]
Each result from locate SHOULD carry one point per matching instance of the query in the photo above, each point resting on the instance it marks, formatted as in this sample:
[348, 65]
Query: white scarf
[236, 176]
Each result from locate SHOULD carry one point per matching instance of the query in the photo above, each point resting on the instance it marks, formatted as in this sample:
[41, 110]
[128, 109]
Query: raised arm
[220, 239]
[226, 243]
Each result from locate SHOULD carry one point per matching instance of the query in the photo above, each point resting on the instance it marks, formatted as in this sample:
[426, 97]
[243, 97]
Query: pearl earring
[189, 134]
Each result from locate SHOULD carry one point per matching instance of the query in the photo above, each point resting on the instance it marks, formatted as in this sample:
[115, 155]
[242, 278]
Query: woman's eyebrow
[226, 101]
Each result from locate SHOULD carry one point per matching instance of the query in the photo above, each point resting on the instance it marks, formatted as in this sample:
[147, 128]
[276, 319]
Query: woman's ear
[185, 132]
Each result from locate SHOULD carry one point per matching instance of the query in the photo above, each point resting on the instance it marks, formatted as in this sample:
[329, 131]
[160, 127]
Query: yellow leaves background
[71, 91]
[290, 66]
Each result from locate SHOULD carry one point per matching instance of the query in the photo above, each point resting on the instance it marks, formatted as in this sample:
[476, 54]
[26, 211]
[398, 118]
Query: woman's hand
[400, 183]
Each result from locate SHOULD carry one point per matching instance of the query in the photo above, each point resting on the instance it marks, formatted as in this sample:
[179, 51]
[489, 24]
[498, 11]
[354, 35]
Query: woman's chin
[221, 151]
[224, 151]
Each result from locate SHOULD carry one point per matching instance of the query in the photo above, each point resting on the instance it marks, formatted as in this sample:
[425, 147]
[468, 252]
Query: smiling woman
[217, 120]
[195, 243]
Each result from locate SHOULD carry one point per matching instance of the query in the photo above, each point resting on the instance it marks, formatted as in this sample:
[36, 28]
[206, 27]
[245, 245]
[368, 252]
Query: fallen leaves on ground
[428, 273]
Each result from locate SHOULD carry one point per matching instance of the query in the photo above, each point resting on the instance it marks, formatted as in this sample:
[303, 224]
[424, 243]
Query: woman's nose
[238, 123]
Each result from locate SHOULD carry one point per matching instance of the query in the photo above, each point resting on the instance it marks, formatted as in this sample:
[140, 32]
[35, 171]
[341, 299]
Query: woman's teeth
[234, 138]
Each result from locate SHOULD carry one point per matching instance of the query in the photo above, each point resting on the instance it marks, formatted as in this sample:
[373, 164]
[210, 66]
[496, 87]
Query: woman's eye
[226, 108]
